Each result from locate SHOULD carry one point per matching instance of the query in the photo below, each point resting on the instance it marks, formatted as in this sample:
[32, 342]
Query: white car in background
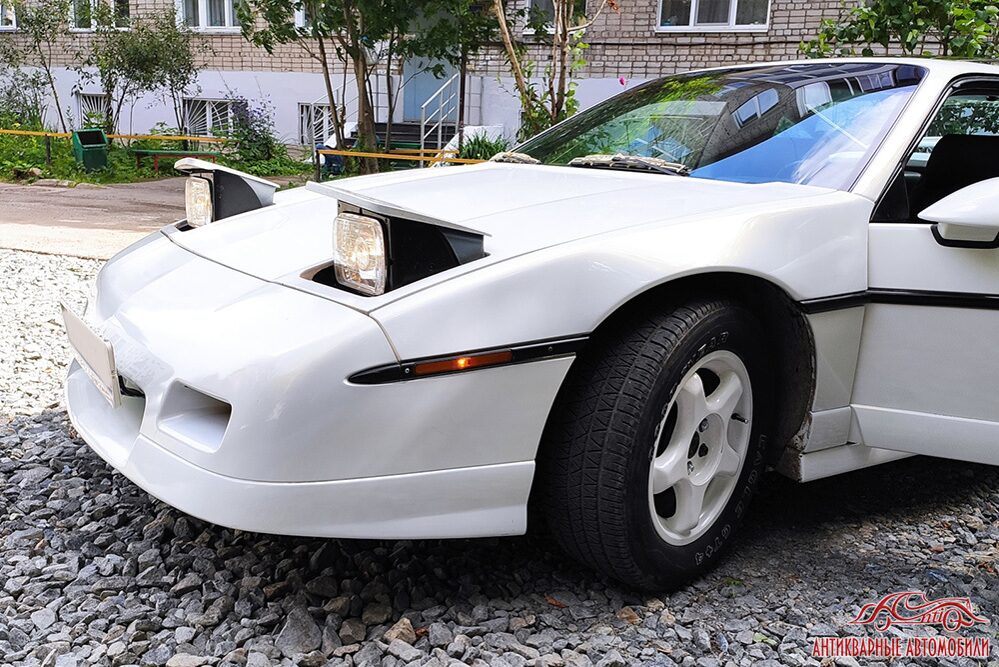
[622, 323]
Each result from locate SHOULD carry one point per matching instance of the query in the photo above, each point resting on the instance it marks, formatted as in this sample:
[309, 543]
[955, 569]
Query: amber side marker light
[469, 361]
[463, 363]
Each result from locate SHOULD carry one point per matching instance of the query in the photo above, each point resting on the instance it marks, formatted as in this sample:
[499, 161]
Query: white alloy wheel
[700, 447]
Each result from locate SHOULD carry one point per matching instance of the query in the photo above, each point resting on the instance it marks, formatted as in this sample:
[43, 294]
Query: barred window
[315, 124]
[94, 110]
[207, 118]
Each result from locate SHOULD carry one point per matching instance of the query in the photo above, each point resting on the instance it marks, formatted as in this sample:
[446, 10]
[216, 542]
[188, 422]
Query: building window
[90, 14]
[207, 118]
[542, 12]
[7, 19]
[209, 14]
[718, 15]
[94, 110]
[315, 124]
[755, 107]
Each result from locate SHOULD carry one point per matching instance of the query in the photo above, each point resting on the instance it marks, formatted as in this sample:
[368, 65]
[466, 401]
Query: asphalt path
[86, 221]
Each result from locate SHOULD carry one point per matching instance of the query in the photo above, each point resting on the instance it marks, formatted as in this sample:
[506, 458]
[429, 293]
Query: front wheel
[658, 442]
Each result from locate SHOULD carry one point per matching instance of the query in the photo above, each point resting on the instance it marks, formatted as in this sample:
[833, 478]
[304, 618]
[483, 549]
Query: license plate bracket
[94, 354]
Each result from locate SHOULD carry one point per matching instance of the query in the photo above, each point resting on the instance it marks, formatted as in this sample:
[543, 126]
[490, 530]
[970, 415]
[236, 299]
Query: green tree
[22, 97]
[40, 26]
[356, 30]
[178, 59]
[153, 55]
[459, 30]
[551, 99]
[267, 23]
[957, 28]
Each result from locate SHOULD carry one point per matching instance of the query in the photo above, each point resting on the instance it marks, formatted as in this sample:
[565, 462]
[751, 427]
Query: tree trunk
[365, 114]
[331, 98]
[511, 52]
[52, 87]
[563, 58]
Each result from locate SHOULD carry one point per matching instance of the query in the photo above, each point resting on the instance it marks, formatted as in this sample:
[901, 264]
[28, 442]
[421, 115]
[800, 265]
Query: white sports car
[621, 323]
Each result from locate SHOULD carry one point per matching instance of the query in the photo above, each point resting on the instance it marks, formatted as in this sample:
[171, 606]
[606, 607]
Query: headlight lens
[198, 198]
[359, 253]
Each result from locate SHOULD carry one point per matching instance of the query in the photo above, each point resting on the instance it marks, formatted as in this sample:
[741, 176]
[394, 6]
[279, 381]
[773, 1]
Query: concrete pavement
[93, 222]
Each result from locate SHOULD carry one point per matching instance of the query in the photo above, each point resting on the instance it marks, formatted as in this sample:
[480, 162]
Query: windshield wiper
[637, 162]
[513, 157]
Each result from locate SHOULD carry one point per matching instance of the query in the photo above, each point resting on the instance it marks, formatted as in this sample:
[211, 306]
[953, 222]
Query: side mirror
[968, 218]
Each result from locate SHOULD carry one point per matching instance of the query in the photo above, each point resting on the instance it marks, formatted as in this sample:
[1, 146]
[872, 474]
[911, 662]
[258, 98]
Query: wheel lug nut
[703, 426]
[690, 467]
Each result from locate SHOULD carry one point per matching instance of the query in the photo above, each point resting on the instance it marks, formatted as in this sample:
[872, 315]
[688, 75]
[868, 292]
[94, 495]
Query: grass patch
[20, 155]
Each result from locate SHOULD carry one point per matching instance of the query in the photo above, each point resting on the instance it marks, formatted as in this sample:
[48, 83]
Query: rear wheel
[658, 442]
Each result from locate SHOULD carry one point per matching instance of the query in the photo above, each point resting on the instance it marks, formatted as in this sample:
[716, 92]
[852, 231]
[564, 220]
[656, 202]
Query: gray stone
[43, 618]
[183, 660]
[377, 613]
[300, 633]
[438, 634]
[352, 631]
[404, 651]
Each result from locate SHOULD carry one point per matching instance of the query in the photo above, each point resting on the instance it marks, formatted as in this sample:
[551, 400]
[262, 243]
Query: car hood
[519, 208]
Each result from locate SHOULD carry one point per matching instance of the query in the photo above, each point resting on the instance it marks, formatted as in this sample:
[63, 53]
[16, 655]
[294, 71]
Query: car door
[927, 379]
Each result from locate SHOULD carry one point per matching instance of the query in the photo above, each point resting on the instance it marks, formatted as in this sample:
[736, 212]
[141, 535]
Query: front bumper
[248, 421]
[466, 502]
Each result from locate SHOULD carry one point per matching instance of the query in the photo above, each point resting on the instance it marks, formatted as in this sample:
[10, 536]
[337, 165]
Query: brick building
[642, 40]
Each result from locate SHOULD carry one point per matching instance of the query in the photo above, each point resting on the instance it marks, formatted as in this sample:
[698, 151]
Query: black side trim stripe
[902, 297]
[520, 353]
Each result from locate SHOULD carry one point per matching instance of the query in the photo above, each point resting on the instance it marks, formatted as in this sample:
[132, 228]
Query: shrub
[481, 147]
[253, 146]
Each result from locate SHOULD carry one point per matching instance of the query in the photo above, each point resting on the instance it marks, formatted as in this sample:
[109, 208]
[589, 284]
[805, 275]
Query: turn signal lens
[359, 253]
[198, 201]
[463, 363]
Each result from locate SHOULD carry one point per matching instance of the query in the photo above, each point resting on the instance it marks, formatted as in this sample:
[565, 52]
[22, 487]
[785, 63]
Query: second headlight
[359, 257]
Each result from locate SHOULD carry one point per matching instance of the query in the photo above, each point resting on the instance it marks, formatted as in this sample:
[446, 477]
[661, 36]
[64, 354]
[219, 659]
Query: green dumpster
[90, 148]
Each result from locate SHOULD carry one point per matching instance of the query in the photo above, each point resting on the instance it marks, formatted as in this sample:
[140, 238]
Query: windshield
[815, 124]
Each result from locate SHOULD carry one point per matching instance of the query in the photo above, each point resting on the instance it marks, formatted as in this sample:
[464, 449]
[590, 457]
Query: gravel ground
[94, 571]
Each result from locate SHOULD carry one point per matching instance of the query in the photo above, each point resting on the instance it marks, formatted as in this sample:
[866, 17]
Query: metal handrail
[446, 98]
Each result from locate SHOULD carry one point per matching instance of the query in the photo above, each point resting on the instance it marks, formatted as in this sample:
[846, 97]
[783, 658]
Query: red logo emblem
[912, 608]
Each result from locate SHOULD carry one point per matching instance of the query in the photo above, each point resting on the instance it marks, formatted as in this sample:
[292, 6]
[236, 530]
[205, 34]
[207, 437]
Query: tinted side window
[960, 147]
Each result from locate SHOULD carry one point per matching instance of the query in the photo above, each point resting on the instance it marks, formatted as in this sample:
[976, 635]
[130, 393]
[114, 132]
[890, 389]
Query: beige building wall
[621, 43]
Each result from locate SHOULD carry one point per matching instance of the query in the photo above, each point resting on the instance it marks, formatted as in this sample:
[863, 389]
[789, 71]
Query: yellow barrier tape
[163, 137]
[35, 133]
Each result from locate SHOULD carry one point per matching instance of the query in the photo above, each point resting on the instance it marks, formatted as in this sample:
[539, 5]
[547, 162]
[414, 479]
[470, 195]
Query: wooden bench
[157, 154]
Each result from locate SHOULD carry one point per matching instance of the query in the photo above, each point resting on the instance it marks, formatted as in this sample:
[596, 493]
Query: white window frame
[9, 5]
[230, 26]
[93, 23]
[96, 98]
[209, 116]
[713, 27]
[317, 113]
[549, 28]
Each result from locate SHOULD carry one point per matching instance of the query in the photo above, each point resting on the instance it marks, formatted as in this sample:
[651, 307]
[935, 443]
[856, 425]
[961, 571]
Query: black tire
[597, 448]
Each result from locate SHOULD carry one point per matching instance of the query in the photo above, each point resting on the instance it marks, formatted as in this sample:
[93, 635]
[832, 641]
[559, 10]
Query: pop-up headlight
[198, 200]
[359, 253]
